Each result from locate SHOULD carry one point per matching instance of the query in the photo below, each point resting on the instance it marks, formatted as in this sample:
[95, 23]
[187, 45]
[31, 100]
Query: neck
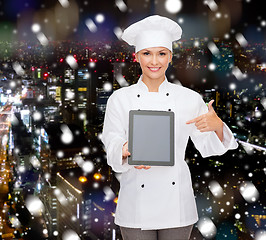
[153, 84]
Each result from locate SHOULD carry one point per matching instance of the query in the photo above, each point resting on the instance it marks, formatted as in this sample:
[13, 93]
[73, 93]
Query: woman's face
[154, 61]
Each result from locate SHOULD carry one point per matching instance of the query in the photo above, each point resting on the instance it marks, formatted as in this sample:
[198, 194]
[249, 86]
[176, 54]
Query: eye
[146, 53]
[162, 53]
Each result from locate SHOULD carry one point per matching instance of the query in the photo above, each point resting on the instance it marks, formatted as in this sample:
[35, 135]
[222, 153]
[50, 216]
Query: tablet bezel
[132, 113]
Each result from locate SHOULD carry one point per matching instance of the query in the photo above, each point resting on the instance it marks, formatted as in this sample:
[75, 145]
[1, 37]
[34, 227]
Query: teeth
[154, 69]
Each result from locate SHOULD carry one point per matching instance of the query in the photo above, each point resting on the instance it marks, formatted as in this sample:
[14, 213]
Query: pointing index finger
[193, 120]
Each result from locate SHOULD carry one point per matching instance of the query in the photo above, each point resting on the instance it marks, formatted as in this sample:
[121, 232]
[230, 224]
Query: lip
[154, 69]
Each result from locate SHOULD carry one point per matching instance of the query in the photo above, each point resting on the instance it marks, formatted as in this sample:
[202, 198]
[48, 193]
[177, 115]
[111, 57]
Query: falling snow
[121, 5]
[222, 51]
[67, 136]
[87, 166]
[34, 205]
[207, 227]
[91, 25]
[70, 235]
[36, 27]
[71, 61]
[249, 192]
[173, 6]
[118, 32]
[241, 39]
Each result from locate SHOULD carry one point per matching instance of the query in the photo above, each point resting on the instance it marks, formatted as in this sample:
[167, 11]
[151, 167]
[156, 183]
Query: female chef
[158, 202]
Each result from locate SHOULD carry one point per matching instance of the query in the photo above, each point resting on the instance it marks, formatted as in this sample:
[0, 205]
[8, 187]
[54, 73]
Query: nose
[154, 60]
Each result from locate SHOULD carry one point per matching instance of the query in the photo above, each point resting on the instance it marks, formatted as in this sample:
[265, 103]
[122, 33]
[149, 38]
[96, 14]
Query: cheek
[143, 61]
[166, 62]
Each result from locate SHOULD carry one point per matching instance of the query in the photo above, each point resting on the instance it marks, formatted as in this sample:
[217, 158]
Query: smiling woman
[157, 202]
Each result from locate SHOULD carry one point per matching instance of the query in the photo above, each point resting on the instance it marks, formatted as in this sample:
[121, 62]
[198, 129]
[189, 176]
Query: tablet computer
[151, 138]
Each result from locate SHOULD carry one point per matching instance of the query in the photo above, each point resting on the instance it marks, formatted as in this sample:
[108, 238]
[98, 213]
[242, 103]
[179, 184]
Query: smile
[154, 69]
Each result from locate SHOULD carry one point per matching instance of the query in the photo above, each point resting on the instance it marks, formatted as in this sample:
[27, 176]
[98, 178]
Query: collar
[143, 87]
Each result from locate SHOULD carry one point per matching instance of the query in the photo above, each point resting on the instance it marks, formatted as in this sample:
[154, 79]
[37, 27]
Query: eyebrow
[163, 50]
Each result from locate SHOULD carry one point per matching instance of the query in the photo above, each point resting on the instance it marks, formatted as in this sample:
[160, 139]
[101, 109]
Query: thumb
[210, 107]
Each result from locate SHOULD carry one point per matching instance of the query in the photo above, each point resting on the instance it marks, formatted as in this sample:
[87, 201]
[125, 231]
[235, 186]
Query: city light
[83, 179]
[97, 176]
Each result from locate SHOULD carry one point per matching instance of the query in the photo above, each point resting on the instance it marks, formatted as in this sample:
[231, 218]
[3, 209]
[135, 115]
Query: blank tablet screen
[151, 138]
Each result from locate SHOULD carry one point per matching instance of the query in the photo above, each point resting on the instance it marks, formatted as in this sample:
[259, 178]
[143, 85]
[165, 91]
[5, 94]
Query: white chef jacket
[161, 197]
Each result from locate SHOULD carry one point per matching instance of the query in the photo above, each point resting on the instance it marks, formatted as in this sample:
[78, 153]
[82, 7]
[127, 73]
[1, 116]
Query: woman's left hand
[142, 167]
[209, 122]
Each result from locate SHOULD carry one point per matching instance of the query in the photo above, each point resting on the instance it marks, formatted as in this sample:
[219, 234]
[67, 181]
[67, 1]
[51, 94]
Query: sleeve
[114, 135]
[208, 143]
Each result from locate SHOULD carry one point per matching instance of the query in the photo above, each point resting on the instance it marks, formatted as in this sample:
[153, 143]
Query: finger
[126, 154]
[202, 120]
[201, 124]
[191, 121]
[210, 107]
[139, 167]
[143, 167]
[194, 120]
[204, 129]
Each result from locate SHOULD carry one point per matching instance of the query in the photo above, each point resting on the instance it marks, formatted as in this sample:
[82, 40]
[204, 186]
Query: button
[173, 183]
[138, 95]
[169, 109]
[167, 94]
[142, 185]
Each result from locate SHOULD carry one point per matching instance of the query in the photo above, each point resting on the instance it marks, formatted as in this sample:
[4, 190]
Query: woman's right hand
[126, 153]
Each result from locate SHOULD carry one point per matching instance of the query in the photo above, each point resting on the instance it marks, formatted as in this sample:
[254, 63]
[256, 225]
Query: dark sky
[251, 9]
[17, 16]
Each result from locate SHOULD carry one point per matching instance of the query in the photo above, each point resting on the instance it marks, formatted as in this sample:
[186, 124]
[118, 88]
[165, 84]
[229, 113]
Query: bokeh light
[173, 6]
[34, 205]
[249, 192]
[207, 227]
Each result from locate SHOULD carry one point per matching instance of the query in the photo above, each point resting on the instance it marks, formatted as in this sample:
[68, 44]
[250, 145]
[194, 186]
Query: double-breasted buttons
[173, 183]
[138, 95]
[142, 185]
[167, 94]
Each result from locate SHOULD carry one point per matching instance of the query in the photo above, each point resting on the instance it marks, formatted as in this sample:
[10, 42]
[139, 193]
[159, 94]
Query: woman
[158, 202]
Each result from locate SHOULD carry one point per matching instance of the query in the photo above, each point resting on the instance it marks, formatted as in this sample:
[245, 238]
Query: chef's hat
[153, 31]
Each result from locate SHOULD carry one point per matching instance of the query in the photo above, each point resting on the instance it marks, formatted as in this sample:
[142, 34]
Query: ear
[136, 57]
[170, 57]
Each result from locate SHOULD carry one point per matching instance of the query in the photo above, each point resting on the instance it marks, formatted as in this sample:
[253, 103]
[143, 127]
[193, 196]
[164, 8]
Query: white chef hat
[153, 31]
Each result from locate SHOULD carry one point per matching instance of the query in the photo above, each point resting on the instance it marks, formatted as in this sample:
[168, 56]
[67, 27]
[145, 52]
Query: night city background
[59, 63]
